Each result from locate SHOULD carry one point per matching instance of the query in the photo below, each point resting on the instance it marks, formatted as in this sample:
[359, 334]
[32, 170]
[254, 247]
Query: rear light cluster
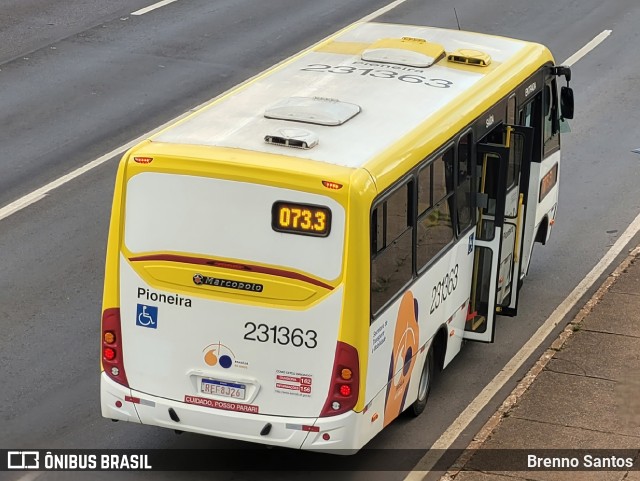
[345, 381]
[112, 346]
[331, 185]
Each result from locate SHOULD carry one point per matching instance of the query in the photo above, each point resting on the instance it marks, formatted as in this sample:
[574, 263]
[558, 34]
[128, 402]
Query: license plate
[223, 388]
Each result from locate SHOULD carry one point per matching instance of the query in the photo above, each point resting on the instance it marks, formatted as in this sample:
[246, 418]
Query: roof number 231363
[379, 73]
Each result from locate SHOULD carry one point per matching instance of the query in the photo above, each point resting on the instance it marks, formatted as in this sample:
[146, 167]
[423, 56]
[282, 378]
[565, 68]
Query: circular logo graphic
[198, 279]
[218, 354]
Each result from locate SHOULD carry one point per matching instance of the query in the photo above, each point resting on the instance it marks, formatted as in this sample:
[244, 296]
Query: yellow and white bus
[292, 264]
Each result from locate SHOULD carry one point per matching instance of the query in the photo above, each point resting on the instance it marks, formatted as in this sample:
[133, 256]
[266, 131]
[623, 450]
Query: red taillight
[112, 360]
[345, 381]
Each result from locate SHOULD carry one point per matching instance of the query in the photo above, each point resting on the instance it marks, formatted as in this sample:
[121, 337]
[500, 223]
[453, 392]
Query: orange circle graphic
[210, 358]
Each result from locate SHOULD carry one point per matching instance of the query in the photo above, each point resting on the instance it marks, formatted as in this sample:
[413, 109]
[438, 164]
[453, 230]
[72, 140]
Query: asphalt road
[99, 77]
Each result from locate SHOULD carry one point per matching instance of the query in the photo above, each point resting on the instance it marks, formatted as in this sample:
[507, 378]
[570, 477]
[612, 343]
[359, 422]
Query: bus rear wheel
[424, 387]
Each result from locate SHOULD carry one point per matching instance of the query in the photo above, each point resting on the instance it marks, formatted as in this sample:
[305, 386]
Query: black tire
[424, 386]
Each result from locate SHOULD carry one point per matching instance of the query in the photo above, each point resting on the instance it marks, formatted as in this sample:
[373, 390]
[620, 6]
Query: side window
[464, 183]
[551, 136]
[511, 110]
[442, 173]
[391, 249]
[435, 226]
[530, 116]
[513, 166]
[424, 189]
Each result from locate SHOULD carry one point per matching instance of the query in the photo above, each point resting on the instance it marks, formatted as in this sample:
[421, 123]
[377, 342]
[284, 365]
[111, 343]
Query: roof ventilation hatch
[409, 51]
[313, 110]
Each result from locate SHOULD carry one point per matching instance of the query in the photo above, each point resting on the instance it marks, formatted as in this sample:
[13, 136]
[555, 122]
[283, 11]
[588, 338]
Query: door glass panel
[480, 290]
[464, 188]
[487, 198]
[515, 161]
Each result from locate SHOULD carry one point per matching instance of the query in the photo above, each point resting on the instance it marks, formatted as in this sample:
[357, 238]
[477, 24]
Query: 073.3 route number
[444, 289]
[281, 335]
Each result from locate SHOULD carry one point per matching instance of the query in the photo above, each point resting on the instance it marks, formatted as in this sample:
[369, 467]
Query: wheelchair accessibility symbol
[147, 316]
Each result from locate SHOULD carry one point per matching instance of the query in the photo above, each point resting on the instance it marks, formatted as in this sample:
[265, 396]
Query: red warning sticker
[227, 406]
[295, 383]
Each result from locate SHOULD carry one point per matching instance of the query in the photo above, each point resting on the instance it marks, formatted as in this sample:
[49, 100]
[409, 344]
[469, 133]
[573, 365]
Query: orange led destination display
[302, 219]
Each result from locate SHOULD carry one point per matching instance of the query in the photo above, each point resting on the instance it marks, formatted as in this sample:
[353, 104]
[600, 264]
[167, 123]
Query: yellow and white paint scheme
[196, 200]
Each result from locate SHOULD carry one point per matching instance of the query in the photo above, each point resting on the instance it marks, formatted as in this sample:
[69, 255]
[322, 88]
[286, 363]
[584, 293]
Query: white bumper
[285, 431]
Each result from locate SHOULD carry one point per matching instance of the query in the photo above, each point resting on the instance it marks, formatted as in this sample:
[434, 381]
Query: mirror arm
[559, 70]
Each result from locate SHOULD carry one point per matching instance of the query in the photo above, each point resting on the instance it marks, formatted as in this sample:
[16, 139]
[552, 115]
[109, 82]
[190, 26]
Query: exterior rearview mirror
[566, 102]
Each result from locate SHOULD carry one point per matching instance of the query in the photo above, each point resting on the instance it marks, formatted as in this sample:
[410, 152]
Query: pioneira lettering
[174, 299]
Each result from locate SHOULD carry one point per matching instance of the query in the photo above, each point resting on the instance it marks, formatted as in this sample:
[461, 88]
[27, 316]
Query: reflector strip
[137, 400]
[303, 427]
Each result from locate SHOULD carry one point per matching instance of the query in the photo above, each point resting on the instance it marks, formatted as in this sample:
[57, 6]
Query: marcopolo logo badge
[200, 280]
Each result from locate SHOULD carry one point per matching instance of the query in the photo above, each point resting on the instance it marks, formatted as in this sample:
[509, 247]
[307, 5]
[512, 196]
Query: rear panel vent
[295, 138]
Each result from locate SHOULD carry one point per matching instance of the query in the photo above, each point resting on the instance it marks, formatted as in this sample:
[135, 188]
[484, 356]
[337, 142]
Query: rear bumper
[285, 431]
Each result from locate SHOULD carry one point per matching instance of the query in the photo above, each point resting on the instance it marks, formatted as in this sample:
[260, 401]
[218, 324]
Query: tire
[424, 386]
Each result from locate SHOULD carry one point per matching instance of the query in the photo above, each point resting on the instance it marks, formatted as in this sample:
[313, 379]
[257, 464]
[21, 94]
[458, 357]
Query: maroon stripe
[232, 265]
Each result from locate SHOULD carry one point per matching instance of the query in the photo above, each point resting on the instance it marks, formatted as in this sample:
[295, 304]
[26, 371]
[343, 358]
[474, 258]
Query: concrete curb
[494, 421]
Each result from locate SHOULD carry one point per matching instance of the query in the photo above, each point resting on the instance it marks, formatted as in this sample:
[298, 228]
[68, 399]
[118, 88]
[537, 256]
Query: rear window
[222, 218]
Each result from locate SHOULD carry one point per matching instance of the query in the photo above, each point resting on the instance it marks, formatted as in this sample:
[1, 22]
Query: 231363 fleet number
[281, 335]
[444, 288]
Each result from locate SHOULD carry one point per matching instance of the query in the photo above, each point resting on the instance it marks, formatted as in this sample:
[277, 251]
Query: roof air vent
[409, 51]
[296, 138]
[470, 57]
[313, 110]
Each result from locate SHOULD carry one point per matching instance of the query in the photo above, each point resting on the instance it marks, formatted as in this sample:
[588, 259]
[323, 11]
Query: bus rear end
[222, 307]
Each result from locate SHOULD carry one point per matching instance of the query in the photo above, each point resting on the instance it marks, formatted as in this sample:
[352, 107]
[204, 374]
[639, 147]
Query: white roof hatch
[409, 51]
[313, 110]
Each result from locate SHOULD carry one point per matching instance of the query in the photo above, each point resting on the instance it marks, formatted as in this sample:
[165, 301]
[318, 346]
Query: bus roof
[365, 96]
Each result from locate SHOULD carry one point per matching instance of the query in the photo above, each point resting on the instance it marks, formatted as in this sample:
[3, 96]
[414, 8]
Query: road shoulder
[583, 393]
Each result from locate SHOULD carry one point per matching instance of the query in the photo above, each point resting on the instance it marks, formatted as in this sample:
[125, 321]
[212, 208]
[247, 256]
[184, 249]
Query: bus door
[503, 173]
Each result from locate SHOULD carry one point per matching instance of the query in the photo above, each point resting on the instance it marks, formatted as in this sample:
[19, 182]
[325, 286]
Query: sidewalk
[583, 393]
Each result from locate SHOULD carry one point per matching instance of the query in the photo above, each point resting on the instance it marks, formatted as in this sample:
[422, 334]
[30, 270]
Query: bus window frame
[427, 163]
[404, 182]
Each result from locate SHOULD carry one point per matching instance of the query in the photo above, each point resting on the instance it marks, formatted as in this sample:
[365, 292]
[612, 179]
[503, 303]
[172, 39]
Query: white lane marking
[148, 9]
[38, 194]
[463, 420]
[598, 39]
[41, 193]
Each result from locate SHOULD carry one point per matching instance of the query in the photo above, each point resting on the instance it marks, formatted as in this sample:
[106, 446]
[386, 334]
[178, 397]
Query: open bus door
[503, 173]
